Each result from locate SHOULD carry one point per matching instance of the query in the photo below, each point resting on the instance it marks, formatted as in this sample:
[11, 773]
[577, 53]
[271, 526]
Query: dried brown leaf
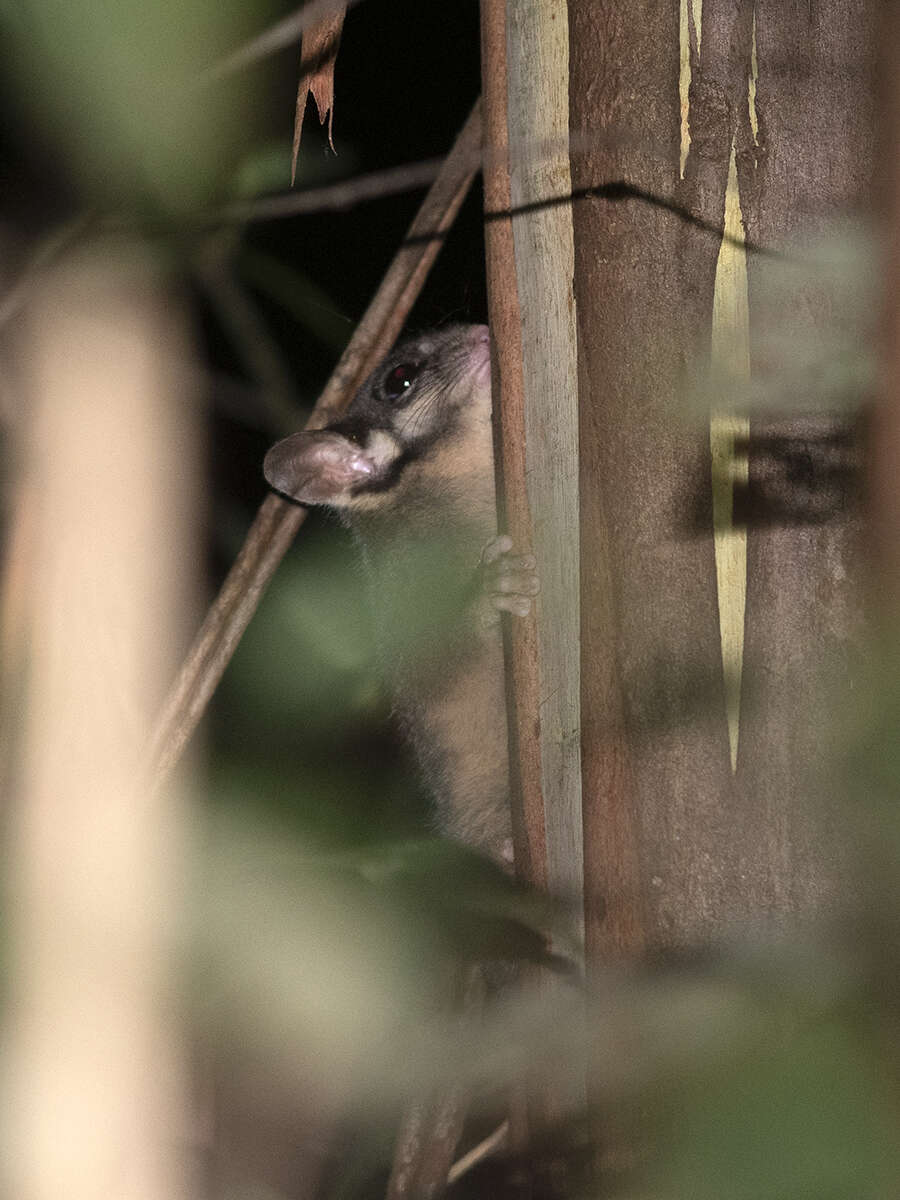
[319, 49]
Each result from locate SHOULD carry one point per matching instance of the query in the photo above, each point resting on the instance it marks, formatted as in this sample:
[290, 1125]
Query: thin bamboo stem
[520, 637]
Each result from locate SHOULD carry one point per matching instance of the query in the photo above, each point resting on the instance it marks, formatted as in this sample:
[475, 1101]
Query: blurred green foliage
[119, 91]
[808, 1115]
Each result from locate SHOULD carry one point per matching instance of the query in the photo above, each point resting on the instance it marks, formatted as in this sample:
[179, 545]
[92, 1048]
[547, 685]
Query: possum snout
[480, 354]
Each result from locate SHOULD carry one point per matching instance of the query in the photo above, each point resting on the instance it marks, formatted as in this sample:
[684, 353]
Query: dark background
[306, 732]
[300, 724]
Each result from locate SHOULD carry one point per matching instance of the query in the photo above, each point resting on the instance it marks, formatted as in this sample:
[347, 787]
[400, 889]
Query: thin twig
[494, 1141]
[258, 350]
[283, 33]
[431, 1127]
[278, 520]
[48, 252]
[374, 185]
[408, 177]
[393, 181]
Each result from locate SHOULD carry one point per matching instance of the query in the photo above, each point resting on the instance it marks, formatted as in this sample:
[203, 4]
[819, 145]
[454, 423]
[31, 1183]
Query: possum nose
[480, 340]
[481, 351]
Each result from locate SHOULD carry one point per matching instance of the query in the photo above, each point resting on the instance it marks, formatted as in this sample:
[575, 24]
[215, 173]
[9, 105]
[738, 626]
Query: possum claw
[509, 581]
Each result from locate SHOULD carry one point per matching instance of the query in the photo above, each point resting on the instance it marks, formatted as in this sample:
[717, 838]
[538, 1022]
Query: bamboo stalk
[530, 270]
[519, 637]
[538, 113]
[277, 520]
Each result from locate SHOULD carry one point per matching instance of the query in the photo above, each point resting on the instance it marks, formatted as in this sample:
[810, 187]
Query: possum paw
[509, 581]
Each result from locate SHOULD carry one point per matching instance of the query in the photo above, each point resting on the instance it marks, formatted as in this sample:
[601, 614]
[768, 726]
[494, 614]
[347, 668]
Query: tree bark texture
[810, 165]
[656, 854]
[677, 847]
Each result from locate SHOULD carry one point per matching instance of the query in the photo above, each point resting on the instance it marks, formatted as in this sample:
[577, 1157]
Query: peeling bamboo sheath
[277, 520]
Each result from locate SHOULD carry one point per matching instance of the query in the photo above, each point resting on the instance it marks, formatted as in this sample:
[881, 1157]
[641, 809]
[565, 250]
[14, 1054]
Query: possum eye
[399, 380]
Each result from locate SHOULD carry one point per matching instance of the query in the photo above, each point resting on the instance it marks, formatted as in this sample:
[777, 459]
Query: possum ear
[321, 467]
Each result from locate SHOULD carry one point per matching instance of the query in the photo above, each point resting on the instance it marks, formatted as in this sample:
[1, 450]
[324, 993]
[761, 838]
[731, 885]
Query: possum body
[410, 470]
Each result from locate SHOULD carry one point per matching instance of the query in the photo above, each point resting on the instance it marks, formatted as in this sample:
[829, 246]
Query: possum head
[426, 408]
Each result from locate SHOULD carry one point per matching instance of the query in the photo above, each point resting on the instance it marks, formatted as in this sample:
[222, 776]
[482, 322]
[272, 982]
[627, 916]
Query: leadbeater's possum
[410, 470]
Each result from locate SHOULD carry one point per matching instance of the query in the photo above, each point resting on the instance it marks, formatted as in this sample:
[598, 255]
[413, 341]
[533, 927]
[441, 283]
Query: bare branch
[214, 271]
[373, 186]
